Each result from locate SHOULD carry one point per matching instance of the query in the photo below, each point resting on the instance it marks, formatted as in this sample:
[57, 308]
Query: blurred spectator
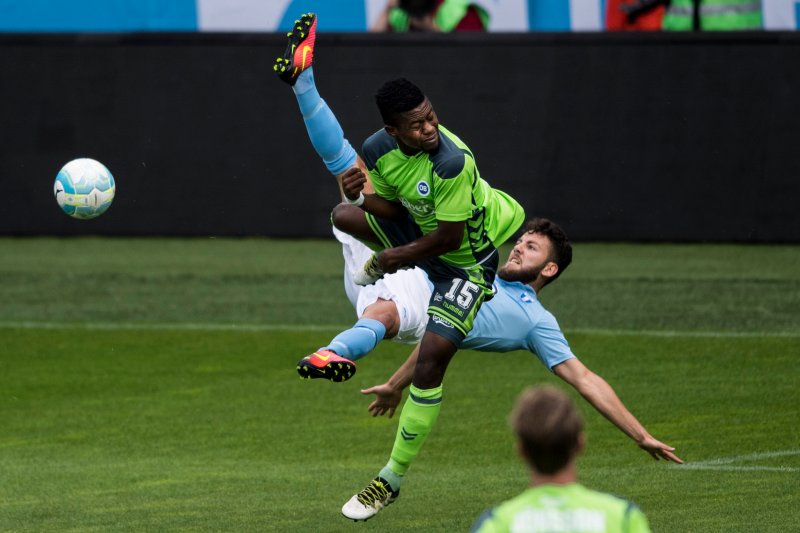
[432, 16]
[709, 15]
[635, 15]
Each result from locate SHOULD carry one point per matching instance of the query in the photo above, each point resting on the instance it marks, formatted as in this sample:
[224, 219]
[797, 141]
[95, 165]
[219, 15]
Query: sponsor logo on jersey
[531, 519]
[525, 297]
[457, 310]
[421, 209]
[441, 321]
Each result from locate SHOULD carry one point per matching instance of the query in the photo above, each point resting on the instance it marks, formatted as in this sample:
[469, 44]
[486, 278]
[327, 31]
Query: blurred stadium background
[146, 357]
[649, 136]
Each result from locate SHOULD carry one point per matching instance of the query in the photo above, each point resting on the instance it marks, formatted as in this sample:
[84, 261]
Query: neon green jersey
[570, 508]
[444, 185]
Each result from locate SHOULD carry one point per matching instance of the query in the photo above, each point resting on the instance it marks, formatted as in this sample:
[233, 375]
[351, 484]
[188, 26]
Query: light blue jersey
[515, 320]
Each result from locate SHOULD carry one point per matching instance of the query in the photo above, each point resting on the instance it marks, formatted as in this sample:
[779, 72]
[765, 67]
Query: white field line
[733, 464]
[168, 326]
[678, 333]
[730, 468]
[211, 326]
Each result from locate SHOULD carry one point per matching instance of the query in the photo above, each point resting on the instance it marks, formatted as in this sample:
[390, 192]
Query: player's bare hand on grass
[387, 398]
[353, 180]
[659, 450]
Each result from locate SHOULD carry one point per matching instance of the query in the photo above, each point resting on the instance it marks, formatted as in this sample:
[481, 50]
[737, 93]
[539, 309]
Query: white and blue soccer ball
[84, 188]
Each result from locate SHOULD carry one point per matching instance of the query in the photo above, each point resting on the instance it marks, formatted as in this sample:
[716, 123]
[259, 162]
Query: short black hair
[395, 97]
[561, 248]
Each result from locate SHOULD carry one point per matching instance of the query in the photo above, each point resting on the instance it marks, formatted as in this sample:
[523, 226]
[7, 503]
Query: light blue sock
[392, 477]
[324, 131]
[359, 340]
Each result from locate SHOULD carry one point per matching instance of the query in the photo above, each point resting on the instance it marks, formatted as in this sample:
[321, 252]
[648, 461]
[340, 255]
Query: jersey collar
[526, 292]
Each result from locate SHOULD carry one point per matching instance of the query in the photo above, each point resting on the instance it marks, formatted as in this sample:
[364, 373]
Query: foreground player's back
[568, 508]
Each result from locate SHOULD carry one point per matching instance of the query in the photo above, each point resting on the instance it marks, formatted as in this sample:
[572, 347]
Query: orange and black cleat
[299, 54]
[325, 364]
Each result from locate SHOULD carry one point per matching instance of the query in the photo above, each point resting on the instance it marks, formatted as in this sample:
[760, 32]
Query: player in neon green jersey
[549, 434]
[430, 209]
[427, 183]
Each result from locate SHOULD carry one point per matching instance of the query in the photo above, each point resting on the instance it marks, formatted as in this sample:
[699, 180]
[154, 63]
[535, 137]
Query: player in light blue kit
[513, 320]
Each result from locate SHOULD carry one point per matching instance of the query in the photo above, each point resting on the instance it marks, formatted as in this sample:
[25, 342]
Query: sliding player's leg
[327, 137]
[394, 307]
[409, 290]
[295, 68]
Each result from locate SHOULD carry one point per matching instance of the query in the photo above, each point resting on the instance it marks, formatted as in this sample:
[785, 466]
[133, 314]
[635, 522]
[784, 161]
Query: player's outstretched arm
[389, 394]
[659, 450]
[603, 398]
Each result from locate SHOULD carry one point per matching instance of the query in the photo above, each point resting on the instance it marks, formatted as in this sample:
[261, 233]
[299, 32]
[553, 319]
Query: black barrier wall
[645, 137]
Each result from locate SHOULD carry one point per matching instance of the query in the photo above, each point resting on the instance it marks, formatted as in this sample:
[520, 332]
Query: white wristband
[358, 201]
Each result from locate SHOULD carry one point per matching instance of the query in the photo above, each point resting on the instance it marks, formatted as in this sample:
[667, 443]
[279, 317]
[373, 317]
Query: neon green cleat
[367, 503]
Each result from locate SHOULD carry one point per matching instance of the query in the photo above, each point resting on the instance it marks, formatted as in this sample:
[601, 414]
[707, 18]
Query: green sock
[416, 420]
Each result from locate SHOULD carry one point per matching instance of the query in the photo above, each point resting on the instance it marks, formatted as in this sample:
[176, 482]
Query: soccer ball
[84, 188]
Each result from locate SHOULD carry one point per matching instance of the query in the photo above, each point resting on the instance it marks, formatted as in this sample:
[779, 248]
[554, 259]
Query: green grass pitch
[149, 385]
